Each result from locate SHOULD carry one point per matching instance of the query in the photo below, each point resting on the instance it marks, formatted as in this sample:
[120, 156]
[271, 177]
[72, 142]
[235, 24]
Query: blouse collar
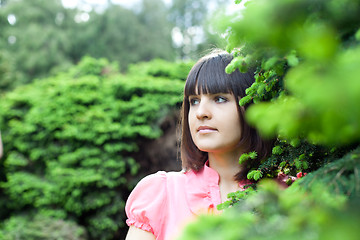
[202, 189]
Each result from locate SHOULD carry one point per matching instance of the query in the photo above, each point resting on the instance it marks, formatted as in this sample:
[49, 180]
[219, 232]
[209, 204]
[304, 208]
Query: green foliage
[315, 207]
[342, 176]
[303, 157]
[191, 21]
[35, 41]
[161, 68]
[247, 156]
[300, 57]
[41, 227]
[316, 40]
[156, 40]
[236, 198]
[277, 150]
[69, 141]
[48, 38]
[255, 175]
[314, 111]
[124, 35]
[7, 71]
[273, 213]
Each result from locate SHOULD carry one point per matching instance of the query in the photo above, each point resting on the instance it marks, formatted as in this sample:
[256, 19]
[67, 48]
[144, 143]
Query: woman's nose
[203, 110]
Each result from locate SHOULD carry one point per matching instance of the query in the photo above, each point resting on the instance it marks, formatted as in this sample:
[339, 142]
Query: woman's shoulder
[155, 187]
[146, 206]
[161, 178]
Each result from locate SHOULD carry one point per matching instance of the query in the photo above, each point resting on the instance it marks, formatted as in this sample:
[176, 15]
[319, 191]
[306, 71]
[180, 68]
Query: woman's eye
[194, 101]
[220, 99]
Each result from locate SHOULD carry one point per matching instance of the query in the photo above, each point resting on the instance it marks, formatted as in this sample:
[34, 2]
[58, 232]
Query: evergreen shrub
[68, 142]
[162, 68]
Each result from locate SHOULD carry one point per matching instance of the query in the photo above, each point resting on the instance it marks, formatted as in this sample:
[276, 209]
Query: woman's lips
[206, 129]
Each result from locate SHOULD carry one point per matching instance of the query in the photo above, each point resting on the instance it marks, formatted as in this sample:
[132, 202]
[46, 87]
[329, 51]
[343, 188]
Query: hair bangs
[209, 77]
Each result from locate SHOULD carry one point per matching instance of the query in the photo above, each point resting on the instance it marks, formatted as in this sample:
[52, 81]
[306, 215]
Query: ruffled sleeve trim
[142, 226]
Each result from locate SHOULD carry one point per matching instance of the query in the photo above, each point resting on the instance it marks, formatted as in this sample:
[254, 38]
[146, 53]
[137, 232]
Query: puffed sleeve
[146, 205]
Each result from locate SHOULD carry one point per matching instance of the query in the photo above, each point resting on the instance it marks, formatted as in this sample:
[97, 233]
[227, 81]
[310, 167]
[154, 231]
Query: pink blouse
[162, 203]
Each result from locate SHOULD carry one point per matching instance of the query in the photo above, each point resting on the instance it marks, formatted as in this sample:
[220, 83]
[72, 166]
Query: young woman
[214, 135]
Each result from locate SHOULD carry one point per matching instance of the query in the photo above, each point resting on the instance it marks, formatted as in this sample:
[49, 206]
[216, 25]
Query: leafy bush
[68, 143]
[315, 207]
[311, 52]
[307, 71]
[162, 68]
[41, 227]
[275, 214]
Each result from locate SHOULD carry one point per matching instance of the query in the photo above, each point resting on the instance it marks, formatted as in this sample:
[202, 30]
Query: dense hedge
[68, 143]
[161, 68]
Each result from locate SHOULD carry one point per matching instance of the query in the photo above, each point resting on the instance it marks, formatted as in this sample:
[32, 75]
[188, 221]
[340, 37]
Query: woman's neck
[225, 164]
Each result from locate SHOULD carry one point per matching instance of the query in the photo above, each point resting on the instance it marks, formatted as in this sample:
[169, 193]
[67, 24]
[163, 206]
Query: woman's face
[214, 122]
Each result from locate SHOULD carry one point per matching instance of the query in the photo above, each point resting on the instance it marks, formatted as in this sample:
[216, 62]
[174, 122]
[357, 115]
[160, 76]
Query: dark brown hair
[208, 76]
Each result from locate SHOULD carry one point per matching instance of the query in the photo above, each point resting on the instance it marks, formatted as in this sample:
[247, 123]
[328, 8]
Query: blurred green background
[90, 93]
